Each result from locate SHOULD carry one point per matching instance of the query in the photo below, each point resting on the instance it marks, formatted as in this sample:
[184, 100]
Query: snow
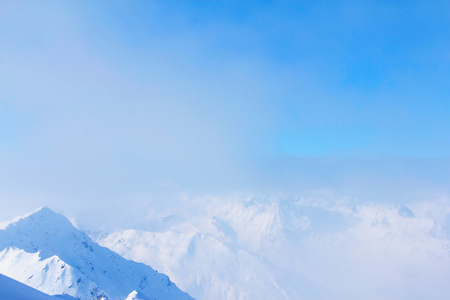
[11, 289]
[50, 275]
[135, 295]
[255, 248]
[297, 249]
[45, 251]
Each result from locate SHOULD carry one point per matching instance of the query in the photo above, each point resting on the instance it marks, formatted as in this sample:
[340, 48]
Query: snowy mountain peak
[67, 260]
[46, 213]
[42, 217]
[44, 209]
[42, 230]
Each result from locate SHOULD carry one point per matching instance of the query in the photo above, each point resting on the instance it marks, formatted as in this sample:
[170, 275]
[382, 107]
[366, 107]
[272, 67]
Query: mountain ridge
[46, 234]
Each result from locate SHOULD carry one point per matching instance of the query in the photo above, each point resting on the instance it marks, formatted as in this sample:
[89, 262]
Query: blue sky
[110, 99]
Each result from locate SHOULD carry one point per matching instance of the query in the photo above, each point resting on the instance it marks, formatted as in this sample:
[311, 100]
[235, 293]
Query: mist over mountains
[285, 248]
[225, 150]
[255, 248]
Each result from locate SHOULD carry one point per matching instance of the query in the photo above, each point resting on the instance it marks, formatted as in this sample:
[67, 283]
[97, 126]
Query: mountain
[239, 251]
[45, 251]
[254, 248]
[11, 289]
[297, 249]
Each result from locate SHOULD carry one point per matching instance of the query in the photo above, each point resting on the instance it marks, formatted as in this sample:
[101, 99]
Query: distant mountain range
[281, 248]
[250, 248]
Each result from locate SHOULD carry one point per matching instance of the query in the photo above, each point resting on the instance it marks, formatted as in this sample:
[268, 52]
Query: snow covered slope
[297, 249]
[44, 250]
[135, 295]
[11, 289]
